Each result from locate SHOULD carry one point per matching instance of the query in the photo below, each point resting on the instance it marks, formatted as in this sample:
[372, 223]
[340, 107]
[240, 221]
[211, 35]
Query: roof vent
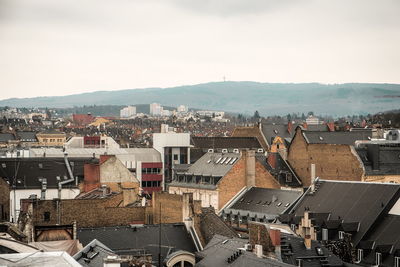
[235, 150]
[321, 138]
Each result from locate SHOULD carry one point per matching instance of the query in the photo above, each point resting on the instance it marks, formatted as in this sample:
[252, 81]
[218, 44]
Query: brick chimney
[272, 160]
[307, 241]
[104, 158]
[305, 126]
[290, 127]
[331, 126]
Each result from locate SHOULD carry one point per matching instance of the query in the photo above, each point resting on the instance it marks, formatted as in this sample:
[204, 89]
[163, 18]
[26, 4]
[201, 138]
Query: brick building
[333, 154]
[217, 177]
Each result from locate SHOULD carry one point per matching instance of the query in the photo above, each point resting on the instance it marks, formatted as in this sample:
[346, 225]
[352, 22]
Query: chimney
[312, 177]
[307, 241]
[373, 155]
[275, 236]
[259, 250]
[104, 189]
[331, 126]
[104, 158]
[272, 160]
[250, 158]
[305, 126]
[289, 127]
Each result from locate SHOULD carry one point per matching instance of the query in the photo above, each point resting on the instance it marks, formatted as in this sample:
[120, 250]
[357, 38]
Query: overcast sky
[58, 47]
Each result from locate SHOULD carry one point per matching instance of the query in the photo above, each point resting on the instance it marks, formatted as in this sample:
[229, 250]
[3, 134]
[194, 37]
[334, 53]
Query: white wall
[208, 197]
[50, 194]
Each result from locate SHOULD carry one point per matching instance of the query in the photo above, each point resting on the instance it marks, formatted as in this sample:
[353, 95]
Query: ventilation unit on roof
[224, 150]
[260, 150]
[235, 150]
[210, 150]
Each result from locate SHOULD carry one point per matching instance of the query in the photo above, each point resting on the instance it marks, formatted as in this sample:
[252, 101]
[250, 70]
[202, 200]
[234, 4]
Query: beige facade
[51, 139]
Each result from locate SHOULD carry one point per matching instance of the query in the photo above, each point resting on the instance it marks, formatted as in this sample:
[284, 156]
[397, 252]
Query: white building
[156, 109]
[312, 120]
[174, 149]
[182, 109]
[128, 112]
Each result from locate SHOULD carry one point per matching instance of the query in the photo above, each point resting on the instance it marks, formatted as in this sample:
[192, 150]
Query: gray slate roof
[350, 202]
[336, 138]
[220, 248]
[93, 254]
[207, 165]
[5, 137]
[264, 202]
[126, 240]
[270, 131]
[387, 160]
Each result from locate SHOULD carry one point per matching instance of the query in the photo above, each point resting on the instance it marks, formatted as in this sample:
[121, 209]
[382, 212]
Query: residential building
[40, 178]
[156, 109]
[217, 177]
[260, 205]
[51, 138]
[332, 154]
[174, 149]
[128, 112]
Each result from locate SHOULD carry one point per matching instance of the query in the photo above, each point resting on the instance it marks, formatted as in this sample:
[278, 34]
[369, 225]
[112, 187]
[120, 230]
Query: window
[378, 258]
[324, 234]
[397, 261]
[360, 253]
[46, 216]
[341, 235]
[175, 156]
[288, 177]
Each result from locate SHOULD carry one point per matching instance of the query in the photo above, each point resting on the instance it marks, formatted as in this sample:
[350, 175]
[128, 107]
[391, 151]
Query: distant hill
[242, 97]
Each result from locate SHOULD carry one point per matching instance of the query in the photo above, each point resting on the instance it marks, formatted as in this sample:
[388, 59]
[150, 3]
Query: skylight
[218, 160]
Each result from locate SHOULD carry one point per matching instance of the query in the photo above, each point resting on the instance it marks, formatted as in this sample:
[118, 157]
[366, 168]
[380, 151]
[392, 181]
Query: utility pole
[159, 241]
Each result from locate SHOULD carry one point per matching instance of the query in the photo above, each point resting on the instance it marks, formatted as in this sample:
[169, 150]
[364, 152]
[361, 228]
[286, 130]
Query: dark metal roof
[27, 136]
[93, 254]
[292, 248]
[270, 131]
[225, 142]
[127, 240]
[220, 248]
[384, 238]
[380, 159]
[28, 171]
[336, 138]
[265, 201]
[350, 202]
[5, 137]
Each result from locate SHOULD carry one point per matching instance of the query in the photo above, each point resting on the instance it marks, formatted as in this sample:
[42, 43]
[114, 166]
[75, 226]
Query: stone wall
[332, 162]
[86, 212]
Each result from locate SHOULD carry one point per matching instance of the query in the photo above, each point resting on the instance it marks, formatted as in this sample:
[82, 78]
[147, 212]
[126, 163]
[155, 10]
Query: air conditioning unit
[260, 150]
[224, 150]
[235, 150]
[210, 150]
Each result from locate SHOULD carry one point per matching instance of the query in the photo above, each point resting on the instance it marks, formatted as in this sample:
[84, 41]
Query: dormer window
[360, 254]
[341, 235]
[378, 258]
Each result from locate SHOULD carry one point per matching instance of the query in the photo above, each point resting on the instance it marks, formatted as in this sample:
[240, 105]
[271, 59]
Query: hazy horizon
[56, 48]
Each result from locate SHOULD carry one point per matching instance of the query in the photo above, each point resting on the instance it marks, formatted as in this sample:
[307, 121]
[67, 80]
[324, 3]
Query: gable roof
[350, 202]
[210, 164]
[252, 131]
[127, 240]
[220, 248]
[5, 137]
[336, 138]
[27, 136]
[380, 159]
[264, 202]
[28, 171]
[225, 142]
[270, 131]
